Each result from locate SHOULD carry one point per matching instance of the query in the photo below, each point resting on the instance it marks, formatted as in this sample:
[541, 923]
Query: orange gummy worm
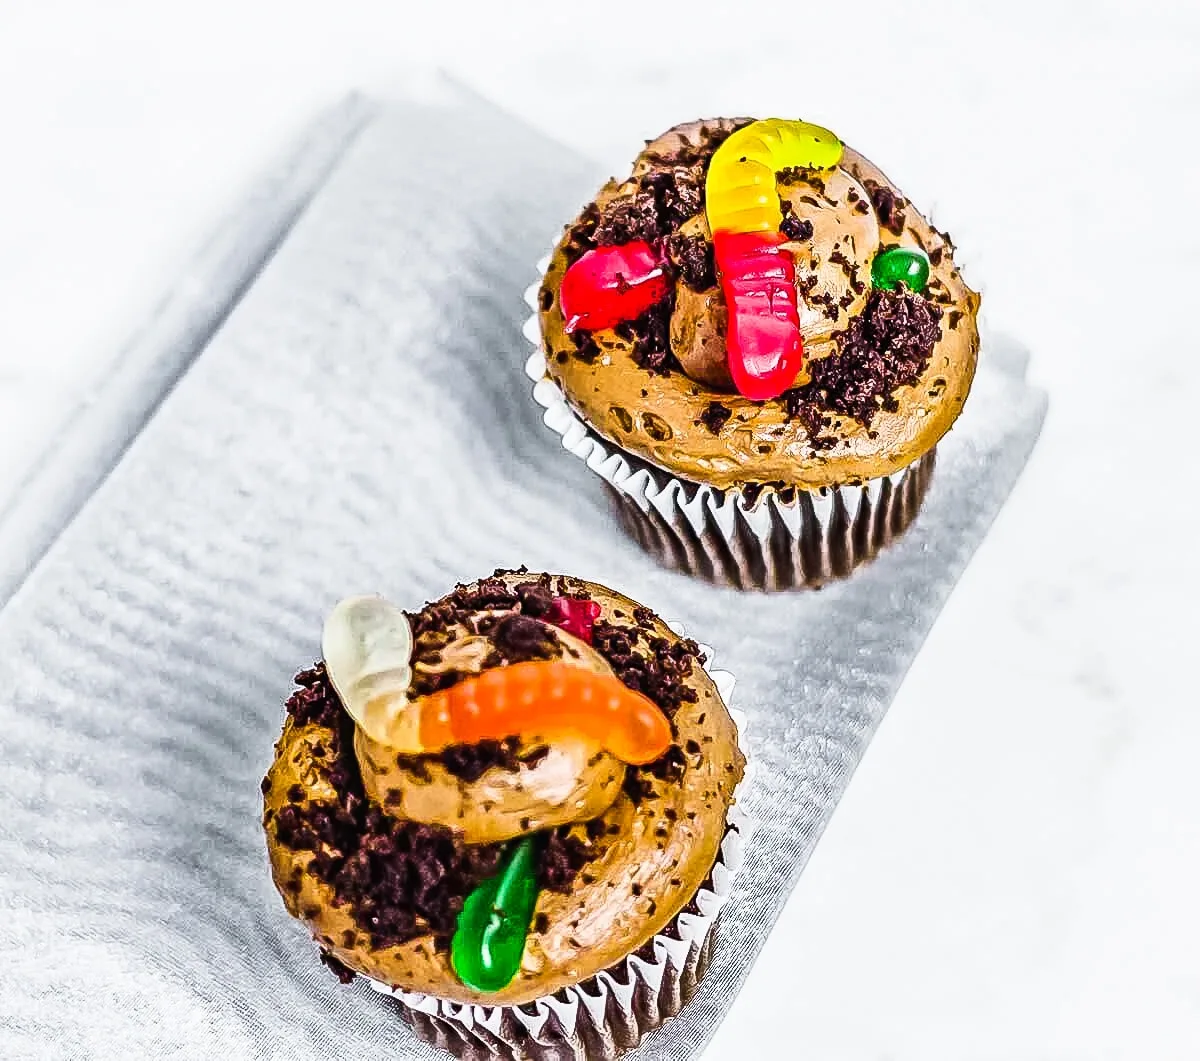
[544, 699]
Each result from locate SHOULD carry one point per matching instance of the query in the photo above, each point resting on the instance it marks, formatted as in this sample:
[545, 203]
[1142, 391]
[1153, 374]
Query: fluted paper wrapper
[607, 1014]
[763, 538]
[359, 422]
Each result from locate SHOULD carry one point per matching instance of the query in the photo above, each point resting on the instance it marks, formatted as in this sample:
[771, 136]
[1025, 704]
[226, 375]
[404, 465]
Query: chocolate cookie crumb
[399, 879]
[581, 236]
[692, 258]
[800, 175]
[715, 417]
[793, 227]
[637, 787]
[469, 762]
[886, 347]
[670, 768]
[651, 338]
[587, 349]
[314, 701]
[536, 598]
[661, 675]
[689, 154]
[678, 194]
[521, 637]
[653, 208]
[345, 975]
[629, 218]
[562, 859]
[889, 207]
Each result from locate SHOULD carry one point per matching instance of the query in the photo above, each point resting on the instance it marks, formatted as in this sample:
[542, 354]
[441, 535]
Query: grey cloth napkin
[161, 350]
[361, 423]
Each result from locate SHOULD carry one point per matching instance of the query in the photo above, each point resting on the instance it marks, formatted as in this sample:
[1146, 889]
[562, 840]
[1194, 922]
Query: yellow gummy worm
[740, 188]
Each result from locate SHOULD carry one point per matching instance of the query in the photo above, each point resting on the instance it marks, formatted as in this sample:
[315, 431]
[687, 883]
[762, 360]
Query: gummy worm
[540, 698]
[367, 644]
[489, 938]
[608, 285]
[758, 277]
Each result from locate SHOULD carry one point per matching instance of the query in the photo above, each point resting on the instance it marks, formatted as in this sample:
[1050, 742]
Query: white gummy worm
[367, 645]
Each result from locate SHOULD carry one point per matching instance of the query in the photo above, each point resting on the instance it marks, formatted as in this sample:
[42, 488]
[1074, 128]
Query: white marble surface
[1023, 834]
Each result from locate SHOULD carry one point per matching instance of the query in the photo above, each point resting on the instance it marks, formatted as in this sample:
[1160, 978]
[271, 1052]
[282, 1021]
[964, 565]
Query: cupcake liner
[755, 537]
[607, 1014]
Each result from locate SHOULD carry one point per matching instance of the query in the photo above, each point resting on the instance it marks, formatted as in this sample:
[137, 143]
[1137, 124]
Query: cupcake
[511, 811]
[758, 342]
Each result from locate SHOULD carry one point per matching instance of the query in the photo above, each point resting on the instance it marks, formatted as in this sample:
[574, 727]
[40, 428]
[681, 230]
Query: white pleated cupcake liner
[607, 1014]
[765, 538]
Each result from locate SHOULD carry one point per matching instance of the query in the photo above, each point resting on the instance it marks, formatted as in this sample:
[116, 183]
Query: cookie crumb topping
[886, 347]
[883, 348]
[400, 879]
[715, 417]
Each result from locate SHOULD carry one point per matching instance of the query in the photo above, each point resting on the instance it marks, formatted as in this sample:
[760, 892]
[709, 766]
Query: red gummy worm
[762, 341]
[612, 284]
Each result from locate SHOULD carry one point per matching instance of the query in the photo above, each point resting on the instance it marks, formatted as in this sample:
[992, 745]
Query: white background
[1013, 873]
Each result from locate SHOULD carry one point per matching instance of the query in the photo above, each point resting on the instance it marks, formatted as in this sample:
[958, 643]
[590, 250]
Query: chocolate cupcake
[758, 342]
[512, 811]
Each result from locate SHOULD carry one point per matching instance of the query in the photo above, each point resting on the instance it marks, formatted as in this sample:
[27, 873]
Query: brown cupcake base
[615, 1021]
[779, 540]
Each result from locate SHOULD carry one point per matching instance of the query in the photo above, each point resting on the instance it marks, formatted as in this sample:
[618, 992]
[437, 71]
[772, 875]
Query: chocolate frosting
[547, 784]
[667, 418]
[652, 850]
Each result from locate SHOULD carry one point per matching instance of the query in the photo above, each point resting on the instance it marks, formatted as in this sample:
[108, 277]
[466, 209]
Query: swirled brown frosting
[381, 890]
[885, 374]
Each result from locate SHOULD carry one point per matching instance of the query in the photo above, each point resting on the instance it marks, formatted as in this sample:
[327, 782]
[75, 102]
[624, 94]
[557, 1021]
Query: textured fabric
[361, 423]
[177, 331]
